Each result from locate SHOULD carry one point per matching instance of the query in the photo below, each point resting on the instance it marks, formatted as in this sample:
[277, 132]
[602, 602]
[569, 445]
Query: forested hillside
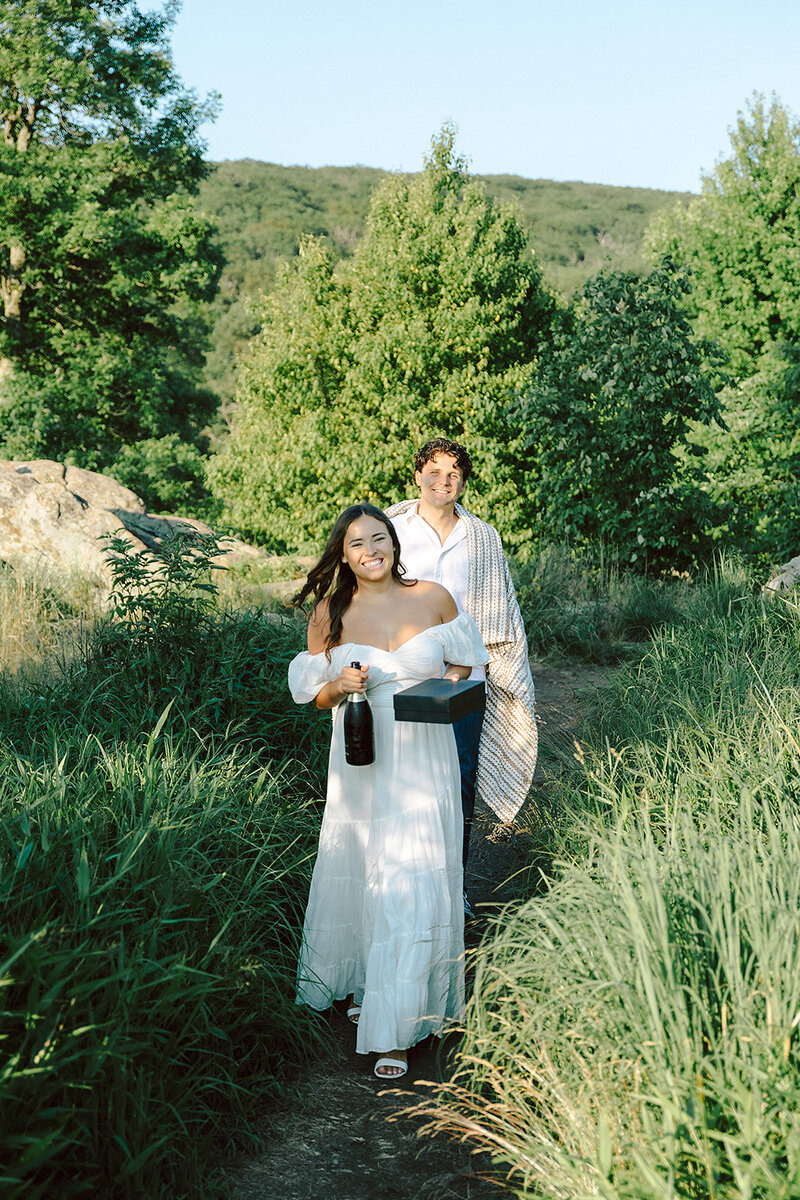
[262, 210]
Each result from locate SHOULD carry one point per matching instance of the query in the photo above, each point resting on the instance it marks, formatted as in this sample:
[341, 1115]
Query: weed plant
[158, 794]
[633, 1033]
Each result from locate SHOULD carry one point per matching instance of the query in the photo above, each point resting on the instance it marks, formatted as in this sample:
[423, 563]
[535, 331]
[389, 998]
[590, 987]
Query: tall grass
[158, 818]
[591, 610]
[40, 609]
[707, 676]
[633, 1032]
[150, 903]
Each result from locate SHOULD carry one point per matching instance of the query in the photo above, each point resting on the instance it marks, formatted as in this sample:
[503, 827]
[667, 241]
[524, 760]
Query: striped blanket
[509, 742]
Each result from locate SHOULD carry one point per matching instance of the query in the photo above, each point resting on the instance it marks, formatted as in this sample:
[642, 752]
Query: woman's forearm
[331, 695]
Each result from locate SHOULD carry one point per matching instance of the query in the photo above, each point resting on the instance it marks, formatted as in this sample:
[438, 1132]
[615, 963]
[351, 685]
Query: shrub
[167, 472]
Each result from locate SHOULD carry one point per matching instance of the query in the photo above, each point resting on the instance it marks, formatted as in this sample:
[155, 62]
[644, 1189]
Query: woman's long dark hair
[335, 579]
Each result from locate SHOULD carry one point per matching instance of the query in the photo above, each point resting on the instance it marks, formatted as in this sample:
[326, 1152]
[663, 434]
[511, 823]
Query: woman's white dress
[385, 917]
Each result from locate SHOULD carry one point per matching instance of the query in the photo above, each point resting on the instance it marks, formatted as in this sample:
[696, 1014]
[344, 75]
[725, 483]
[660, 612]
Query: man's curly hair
[443, 445]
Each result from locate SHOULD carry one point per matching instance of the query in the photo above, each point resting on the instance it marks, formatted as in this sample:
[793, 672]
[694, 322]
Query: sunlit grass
[591, 610]
[41, 613]
[633, 1032]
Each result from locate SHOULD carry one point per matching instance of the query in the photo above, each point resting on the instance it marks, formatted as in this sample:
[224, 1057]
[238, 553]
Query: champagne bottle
[359, 745]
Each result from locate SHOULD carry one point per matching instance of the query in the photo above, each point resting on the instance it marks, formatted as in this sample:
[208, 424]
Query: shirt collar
[456, 534]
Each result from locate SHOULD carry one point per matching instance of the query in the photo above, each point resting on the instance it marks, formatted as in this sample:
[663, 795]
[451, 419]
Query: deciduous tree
[741, 243]
[740, 239]
[607, 411]
[428, 330]
[103, 257]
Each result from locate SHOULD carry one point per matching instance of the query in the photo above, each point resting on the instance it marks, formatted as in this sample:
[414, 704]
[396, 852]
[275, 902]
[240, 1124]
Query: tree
[428, 330]
[606, 412]
[753, 465]
[740, 239]
[104, 260]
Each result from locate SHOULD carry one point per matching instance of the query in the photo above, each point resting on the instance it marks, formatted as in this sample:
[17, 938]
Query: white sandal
[390, 1062]
[353, 1013]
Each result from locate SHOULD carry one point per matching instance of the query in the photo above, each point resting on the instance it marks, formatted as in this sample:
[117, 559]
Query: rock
[56, 514]
[788, 576]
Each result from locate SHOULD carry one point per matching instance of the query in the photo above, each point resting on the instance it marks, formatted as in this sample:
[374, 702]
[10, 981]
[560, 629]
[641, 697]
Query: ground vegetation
[631, 1031]
[159, 802]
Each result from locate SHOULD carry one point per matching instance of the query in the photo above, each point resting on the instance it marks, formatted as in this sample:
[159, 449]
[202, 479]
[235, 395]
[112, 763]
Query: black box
[439, 701]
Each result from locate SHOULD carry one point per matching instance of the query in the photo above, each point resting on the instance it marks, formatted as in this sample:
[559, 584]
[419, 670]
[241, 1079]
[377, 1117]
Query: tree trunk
[12, 289]
[11, 285]
[17, 131]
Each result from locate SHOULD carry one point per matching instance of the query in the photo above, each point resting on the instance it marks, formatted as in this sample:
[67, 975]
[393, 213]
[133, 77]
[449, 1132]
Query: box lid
[439, 701]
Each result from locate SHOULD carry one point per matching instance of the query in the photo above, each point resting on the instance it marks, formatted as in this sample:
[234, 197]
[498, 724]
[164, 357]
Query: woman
[385, 918]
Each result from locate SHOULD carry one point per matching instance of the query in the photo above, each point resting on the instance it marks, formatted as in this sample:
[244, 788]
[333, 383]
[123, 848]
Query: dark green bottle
[359, 739]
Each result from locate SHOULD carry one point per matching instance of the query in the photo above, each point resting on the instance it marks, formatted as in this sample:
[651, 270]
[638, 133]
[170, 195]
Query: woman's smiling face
[368, 549]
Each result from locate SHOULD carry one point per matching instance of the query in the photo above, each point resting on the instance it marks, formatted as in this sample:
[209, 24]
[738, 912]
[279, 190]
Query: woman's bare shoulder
[319, 626]
[440, 600]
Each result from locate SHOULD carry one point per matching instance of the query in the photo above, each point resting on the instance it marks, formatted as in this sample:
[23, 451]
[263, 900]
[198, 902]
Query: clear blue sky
[633, 92]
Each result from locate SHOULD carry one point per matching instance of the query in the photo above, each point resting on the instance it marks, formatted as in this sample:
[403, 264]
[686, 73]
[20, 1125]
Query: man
[441, 541]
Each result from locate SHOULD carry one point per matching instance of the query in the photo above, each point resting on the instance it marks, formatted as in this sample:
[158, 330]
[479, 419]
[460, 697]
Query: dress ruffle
[308, 674]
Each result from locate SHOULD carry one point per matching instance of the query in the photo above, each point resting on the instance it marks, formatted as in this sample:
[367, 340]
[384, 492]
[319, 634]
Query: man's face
[440, 481]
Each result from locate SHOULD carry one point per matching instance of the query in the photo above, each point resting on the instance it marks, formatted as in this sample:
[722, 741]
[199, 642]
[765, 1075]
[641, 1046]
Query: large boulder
[788, 576]
[56, 514]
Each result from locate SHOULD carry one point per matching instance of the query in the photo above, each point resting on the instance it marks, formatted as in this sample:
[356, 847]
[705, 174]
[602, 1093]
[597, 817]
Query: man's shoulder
[401, 508]
[480, 526]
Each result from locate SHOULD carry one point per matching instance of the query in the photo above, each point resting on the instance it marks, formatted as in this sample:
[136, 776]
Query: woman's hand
[351, 680]
[455, 673]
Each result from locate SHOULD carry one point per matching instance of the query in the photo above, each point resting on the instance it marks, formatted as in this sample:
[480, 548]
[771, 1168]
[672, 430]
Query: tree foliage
[753, 466]
[104, 259]
[263, 211]
[741, 239]
[428, 330]
[741, 242]
[606, 412]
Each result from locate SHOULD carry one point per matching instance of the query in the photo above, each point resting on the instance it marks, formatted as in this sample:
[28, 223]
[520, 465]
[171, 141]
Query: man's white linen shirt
[425, 557]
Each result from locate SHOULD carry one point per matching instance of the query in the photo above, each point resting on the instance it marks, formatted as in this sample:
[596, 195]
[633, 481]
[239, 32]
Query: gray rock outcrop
[788, 577]
[56, 514]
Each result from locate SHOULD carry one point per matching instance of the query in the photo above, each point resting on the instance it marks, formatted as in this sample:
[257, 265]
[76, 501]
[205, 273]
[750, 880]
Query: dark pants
[468, 738]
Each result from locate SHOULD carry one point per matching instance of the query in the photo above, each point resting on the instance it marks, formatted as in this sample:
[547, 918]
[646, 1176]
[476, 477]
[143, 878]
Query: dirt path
[345, 1137]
